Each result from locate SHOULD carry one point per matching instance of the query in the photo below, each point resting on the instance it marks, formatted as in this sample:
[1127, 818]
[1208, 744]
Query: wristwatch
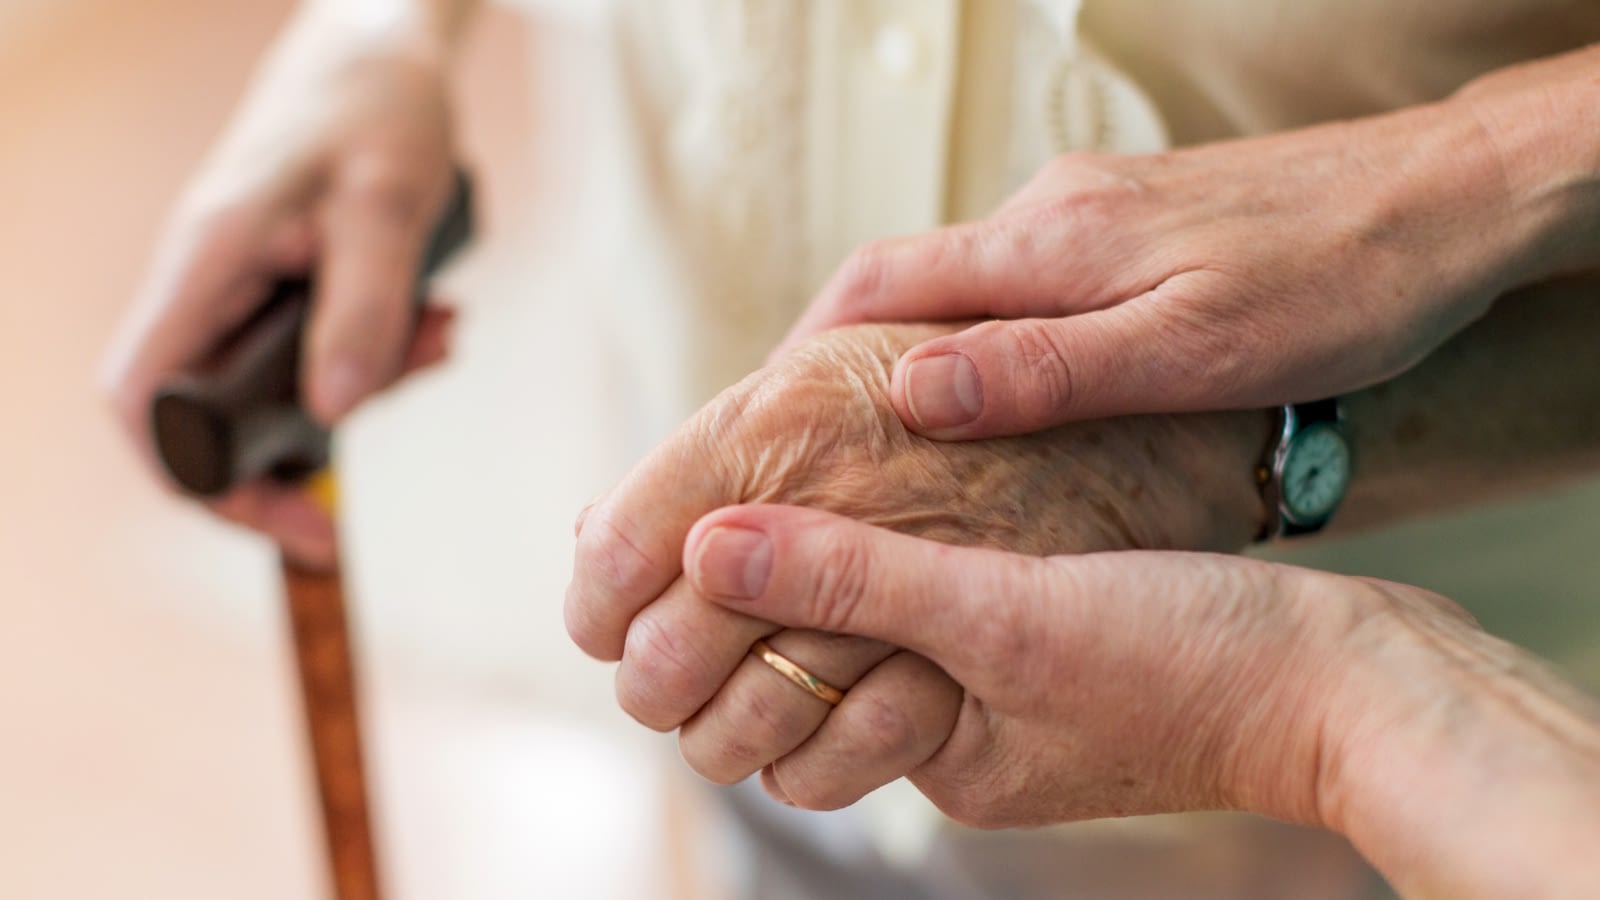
[1307, 470]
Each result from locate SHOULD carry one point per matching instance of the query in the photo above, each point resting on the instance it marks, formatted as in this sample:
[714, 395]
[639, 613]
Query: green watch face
[1316, 473]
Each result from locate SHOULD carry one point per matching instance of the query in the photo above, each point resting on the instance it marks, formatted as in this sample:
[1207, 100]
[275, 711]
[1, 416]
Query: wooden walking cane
[320, 628]
[236, 416]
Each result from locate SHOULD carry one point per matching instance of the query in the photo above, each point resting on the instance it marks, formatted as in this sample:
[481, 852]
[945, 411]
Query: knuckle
[608, 554]
[659, 672]
[1044, 378]
[886, 730]
[768, 723]
[385, 188]
[1083, 192]
[1059, 175]
[842, 582]
[753, 730]
[1074, 211]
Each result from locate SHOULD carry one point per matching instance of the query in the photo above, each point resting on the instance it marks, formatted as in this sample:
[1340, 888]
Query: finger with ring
[761, 713]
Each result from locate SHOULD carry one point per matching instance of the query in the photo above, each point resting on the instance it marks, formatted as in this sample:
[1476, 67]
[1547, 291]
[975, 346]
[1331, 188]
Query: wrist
[1232, 446]
[1454, 763]
[1538, 123]
[1163, 482]
[1178, 482]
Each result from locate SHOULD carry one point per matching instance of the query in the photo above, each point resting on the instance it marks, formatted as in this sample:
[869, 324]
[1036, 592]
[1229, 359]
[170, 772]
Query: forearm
[1511, 405]
[1541, 122]
[1463, 768]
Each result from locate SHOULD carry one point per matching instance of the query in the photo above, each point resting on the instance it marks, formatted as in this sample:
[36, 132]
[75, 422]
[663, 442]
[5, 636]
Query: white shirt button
[897, 50]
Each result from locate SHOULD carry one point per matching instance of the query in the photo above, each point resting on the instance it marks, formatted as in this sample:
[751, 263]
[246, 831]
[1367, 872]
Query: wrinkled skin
[817, 429]
[1096, 685]
[1126, 683]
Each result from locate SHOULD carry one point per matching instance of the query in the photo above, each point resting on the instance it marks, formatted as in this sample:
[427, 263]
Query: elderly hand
[1227, 276]
[1119, 684]
[817, 430]
[338, 162]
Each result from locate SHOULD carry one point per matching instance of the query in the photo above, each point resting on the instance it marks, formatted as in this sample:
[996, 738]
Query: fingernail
[342, 387]
[943, 391]
[734, 563]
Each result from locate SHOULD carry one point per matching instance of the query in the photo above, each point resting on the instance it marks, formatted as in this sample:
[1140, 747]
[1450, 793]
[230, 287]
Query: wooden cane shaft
[328, 692]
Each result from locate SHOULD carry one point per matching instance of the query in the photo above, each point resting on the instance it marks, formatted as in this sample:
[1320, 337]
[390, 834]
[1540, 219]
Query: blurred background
[150, 739]
[150, 744]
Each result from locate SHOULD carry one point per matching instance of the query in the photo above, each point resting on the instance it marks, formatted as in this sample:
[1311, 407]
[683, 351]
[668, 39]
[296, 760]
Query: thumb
[808, 569]
[1017, 377]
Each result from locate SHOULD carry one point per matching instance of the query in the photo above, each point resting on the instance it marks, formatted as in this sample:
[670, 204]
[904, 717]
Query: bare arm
[1245, 273]
[1510, 406]
[1542, 121]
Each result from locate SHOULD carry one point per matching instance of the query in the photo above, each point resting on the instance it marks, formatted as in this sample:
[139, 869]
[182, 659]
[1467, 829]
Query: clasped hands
[1013, 689]
[796, 509]
[994, 649]
[1144, 653]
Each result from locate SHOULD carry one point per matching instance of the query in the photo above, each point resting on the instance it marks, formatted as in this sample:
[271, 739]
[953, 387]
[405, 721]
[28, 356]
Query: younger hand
[1227, 276]
[1116, 684]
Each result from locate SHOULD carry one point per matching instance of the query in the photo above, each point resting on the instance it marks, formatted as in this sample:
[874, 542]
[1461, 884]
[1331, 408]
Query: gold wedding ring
[786, 667]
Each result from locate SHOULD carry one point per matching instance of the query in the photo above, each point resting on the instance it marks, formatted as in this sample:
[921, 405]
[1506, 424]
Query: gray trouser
[796, 855]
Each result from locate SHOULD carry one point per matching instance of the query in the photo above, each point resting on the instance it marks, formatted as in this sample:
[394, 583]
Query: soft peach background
[149, 742]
